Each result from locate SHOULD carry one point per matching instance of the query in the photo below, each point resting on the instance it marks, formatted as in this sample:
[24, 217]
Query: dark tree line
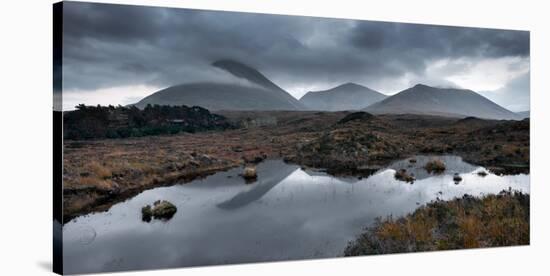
[96, 122]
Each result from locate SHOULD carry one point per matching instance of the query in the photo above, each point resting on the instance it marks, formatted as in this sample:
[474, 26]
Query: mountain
[258, 94]
[349, 96]
[524, 114]
[423, 99]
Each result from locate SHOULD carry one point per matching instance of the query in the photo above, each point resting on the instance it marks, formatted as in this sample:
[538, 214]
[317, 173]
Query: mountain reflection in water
[287, 214]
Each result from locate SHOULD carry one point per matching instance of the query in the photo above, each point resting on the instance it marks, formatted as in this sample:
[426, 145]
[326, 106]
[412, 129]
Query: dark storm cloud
[440, 41]
[114, 45]
[411, 47]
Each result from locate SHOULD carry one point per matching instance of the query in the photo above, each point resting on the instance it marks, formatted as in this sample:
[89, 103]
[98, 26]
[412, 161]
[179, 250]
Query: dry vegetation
[467, 222]
[100, 173]
[403, 175]
[361, 144]
[435, 166]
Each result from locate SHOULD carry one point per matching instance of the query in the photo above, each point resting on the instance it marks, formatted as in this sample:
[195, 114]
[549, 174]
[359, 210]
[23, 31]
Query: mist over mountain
[261, 94]
[524, 114]
[251, 90]
[349, 96]
[423, 99]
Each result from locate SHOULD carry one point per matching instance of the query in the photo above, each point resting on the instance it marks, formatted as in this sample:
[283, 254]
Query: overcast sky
[117, 54]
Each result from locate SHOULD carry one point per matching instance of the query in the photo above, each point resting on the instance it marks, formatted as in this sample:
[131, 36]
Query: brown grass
[467, 222]
[99, 170]
[435, 166]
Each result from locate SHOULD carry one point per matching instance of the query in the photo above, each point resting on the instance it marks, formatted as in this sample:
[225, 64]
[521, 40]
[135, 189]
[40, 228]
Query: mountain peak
[238, 69]
[350, 85]
[246, 72]
[264, 95]
[223, 63]
[452, 102]
[243, 71]
[442, 88]
[421, 85]
[347, 96]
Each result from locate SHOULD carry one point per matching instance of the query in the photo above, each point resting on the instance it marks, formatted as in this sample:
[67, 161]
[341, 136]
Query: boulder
[482, 173]
[146, 213]
[249, 173]
[163, 210]
[457, 178]
[160, 210]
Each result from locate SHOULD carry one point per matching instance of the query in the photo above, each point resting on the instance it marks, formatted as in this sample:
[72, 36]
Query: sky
[118, 54]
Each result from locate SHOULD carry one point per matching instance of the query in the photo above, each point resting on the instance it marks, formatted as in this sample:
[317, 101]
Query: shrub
[435, 166]
[402, 175]
[466, 222]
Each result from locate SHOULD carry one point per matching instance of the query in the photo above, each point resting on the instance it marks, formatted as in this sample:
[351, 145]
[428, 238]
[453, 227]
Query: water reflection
[415, 165]
[288, 214]
[268, 177]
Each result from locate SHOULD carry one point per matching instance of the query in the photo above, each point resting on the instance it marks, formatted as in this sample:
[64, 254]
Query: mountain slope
[261, 94]
[524, 114]
[423, 99]
[349, 96]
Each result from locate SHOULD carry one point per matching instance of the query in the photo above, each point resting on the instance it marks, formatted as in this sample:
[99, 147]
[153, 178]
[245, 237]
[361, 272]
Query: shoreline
[100, 173]
[107, 198]
[465, 222]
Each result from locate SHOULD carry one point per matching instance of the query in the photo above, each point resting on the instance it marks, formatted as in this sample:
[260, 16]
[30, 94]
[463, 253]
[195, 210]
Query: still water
[288, 213]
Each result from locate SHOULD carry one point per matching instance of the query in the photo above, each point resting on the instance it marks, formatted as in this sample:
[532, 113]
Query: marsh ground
[99, 173]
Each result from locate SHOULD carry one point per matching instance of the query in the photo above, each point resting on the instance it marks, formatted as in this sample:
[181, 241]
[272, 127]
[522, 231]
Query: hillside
[349, 96]
[427, 100]
[258, 94]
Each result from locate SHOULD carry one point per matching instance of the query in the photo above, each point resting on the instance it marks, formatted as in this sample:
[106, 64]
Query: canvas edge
[57, 264]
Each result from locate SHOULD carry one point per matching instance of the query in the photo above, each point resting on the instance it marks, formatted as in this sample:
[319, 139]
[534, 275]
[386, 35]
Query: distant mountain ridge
[524, 114]
[263, 95]
[348, 96]
[427, 100]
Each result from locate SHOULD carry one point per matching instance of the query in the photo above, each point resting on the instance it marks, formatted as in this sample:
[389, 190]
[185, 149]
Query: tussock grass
[100, 171]
[467, 222]
[435, 166]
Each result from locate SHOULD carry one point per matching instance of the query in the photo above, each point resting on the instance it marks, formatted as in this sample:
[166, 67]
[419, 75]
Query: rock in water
[146, 213]
[457, 178]
[160, 210]
[164, 210]
[249, 173]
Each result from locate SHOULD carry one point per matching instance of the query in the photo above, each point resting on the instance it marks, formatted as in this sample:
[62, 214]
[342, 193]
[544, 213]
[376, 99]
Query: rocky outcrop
[163, 210]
